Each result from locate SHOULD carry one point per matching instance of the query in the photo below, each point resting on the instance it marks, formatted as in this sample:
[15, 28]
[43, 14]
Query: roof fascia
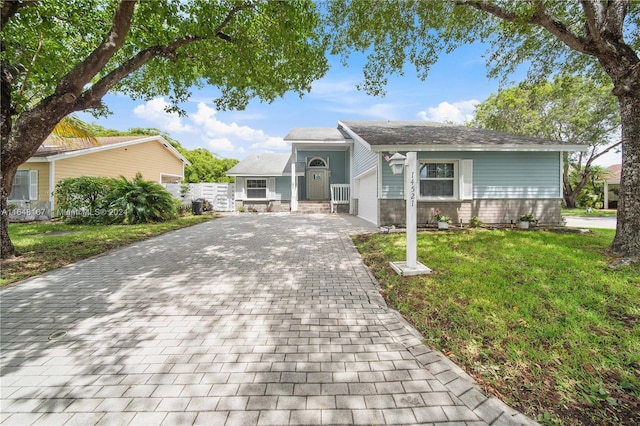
[354, 135]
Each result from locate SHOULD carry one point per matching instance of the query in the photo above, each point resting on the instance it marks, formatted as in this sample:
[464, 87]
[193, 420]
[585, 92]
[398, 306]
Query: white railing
[340, 194]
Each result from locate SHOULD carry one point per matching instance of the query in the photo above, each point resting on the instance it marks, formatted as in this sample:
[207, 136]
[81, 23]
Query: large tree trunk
[627, 239]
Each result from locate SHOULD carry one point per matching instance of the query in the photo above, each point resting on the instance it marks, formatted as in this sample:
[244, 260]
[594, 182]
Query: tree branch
[91, 97]
[541, 18]
[10, 8]
[82, 74]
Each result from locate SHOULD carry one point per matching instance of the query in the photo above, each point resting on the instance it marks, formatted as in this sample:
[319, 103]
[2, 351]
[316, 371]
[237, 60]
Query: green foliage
[205, 166]
[395, 33]
[568, 108]
[475, 222]
[139, 201]
[81, 200]
[560, 336]
[247, 50]
[100, 200]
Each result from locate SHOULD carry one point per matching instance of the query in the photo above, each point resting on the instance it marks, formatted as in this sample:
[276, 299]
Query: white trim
[52, 186]
[323, 159]
[266, 189]
[466, 179]
[456, 179]
[33, 185]
[354, 135]
[366, 172]
[170, 175]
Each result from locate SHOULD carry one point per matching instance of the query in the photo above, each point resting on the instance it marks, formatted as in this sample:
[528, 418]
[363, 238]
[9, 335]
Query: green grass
[593, 213]
[45, 246]
[538, 318]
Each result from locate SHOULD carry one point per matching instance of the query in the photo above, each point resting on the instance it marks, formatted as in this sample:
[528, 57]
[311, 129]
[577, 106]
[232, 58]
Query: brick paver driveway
[248, 319]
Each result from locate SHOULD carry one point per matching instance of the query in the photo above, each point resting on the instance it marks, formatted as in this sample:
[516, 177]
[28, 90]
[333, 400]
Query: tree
[599, 38]
[58, 57]
[569, 108]
[205, 166]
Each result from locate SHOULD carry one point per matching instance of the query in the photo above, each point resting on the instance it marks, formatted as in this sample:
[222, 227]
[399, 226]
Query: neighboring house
[463, 172]
[36, 179]
[612, 186]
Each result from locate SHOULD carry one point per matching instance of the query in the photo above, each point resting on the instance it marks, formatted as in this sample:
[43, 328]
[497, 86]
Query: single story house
[612, 186]
[36, 179]
[462, 171]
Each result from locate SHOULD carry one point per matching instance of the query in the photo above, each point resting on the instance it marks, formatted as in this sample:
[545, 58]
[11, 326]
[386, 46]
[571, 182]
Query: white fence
[220, 195]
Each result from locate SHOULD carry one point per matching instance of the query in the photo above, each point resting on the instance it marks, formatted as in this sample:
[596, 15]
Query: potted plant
[443, 221]
[524, 221]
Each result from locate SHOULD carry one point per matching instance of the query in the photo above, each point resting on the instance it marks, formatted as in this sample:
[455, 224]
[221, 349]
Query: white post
[412, 209]
[294, 187]
[411, 266]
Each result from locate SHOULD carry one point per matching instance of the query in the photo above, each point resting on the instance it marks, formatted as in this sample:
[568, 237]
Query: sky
[455, 84]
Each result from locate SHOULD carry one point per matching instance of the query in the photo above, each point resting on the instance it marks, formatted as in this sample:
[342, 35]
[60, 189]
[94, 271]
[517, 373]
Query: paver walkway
[248, 319]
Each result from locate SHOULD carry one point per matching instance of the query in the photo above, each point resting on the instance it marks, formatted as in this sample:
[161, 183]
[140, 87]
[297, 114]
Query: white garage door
[368, 197]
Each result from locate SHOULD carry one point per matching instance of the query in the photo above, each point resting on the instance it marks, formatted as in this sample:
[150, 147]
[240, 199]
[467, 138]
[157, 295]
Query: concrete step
[314, 207]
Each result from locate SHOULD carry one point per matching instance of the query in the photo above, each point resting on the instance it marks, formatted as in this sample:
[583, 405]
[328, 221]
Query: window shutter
[239, 188]
[33, 184]
[466, 179]
[271, 189]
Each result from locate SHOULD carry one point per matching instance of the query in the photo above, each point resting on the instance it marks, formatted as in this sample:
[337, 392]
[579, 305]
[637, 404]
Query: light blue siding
[338, 163]
[496, 175]
[392, 185]
[283, 188]
[363, 159]
[515, 174]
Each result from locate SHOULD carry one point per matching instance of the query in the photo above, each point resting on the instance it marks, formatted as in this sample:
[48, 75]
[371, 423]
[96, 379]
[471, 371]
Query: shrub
[475, 222]
[83, 199]
[140, 201]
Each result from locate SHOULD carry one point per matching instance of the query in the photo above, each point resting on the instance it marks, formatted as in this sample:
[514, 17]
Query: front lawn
[592, 213]
[537, 318]
[49, 245]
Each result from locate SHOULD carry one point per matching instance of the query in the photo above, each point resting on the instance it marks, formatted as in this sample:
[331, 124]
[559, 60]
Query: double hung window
[438, 180]
[256, 188]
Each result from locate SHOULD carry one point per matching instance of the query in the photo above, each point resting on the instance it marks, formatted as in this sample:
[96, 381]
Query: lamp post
[397, 163]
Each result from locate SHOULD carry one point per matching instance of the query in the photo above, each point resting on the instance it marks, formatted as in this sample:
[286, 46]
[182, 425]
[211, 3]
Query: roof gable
[72, 147]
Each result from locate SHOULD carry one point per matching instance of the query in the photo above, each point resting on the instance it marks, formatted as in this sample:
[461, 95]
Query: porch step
[314, 207]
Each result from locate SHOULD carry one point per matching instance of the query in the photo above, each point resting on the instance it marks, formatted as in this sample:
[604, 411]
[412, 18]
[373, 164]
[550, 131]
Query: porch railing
[340, 194]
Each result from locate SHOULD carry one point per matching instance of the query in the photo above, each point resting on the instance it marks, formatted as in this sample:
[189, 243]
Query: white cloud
[271, 143]
[221, 144]
[457, 112]
[231, 137]
[154, 112]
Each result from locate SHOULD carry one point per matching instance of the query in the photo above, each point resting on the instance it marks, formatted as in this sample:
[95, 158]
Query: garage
[367, 190]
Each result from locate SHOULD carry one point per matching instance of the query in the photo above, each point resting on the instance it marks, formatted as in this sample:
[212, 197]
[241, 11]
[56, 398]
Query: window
[317, 162]
[438, 180]
[256, 188]
[25, 186]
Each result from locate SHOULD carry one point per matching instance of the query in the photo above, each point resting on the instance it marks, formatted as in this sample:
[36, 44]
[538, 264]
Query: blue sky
[455, 84]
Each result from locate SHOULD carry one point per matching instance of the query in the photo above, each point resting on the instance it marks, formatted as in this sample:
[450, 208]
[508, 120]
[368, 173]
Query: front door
[318, 184]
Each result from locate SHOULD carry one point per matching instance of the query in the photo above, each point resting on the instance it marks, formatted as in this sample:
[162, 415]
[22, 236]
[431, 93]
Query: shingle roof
[615, 174]
[64, 145]
[327, 134]
[389, 133]
[265, 164]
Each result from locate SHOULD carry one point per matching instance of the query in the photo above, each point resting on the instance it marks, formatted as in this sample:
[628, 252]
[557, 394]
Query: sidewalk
[247, 320]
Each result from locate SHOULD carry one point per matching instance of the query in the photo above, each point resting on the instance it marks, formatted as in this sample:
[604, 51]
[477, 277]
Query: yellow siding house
[152, 156]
